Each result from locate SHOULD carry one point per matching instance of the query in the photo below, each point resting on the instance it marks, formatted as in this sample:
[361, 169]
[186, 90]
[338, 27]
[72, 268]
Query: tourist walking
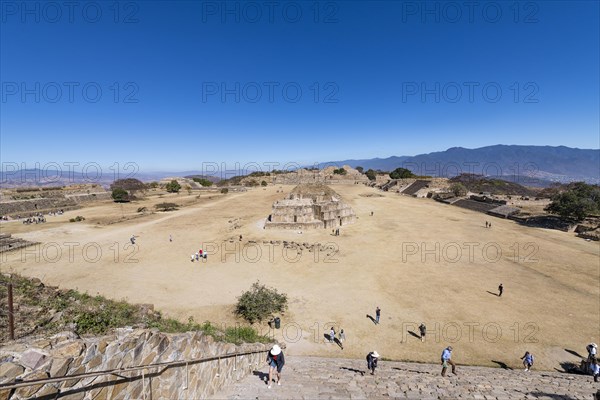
[596, 371]
[422, 331]
[592, 350]
[372, 358]
[332, 335]
[170, 238]
[342, 336]
[377, 315]
[276, 361]
[527, 360]
[447, 359]
[500, 290]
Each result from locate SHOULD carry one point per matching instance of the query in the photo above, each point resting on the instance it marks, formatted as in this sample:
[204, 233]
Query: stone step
[321, 378]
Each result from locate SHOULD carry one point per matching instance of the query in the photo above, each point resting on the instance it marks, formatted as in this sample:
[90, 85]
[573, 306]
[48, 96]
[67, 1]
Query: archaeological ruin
[310, 206]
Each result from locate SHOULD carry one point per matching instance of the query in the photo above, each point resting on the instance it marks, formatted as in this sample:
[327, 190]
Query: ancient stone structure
[9, 243]
[25, 201]
[322, 176]
[66, 355]
[310, 206]
[322, 378]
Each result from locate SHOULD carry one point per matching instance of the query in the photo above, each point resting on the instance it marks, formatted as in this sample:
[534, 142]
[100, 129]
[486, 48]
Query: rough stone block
[33, 359]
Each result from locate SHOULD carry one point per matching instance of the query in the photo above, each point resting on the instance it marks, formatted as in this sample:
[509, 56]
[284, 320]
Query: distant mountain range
[528, 165]
[521, 164]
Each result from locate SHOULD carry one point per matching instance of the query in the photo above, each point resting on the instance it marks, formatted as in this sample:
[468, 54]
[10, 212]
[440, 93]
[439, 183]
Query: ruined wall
[51, 203]
[66, 355]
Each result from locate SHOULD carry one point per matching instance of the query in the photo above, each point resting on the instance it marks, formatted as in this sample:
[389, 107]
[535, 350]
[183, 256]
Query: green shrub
[260, 302]
[203, 182]
[166, 206]
[224, 190]
[78, 218]
[458, 189]
[120, 195]
[372, 175]
[173, 186]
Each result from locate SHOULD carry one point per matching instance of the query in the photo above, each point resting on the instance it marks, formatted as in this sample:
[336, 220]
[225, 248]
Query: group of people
[198, 255]
[38, 219]
[488, 224]
[276, 359]
[342, 337]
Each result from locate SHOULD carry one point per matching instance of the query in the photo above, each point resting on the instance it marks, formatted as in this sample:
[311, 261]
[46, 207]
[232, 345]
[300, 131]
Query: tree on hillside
[401, 173]
[120, 195]
[340, 171]
[360, 169]
[578, 201]
[372, 175]
[173, 186]
[264, 183]
[202, 181]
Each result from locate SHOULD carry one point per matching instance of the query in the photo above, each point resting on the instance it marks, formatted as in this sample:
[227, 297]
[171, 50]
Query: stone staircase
[415, 187]
[321, 378]
[9, 243]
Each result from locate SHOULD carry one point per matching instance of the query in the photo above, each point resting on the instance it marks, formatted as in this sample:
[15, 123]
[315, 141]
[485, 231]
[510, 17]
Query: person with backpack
[500, 290]
[527, 360]
[447, 359]
[276, 361]
[372, 358]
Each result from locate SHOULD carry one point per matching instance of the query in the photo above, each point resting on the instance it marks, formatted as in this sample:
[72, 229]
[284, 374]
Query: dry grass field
[419, 260]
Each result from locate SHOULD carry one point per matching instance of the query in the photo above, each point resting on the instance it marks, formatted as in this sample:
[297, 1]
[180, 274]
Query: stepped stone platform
[310, 206]
[8, 243]
[321, 378]
[475, 205]
[415, 187]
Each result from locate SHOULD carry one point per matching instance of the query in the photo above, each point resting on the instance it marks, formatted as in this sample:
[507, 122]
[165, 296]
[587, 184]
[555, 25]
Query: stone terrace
[320, 378]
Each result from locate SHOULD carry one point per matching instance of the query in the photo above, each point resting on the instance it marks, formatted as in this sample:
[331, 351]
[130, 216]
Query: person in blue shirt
[527, 360]
[447, 359]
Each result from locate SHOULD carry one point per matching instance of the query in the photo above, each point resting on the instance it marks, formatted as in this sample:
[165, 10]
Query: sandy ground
[419, 260]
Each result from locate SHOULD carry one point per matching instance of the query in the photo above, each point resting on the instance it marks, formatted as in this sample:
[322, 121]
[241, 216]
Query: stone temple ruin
[310, 206]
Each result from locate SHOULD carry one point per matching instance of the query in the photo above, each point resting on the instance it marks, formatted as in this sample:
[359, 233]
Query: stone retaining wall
[66, 354]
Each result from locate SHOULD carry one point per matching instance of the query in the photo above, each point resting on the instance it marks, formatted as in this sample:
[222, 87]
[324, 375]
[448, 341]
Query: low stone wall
[66, 354]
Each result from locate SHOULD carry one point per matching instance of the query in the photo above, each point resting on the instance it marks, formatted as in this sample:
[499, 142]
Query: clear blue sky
[378, 68]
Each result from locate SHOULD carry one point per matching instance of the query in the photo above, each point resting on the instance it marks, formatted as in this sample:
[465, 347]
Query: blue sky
[170, 85]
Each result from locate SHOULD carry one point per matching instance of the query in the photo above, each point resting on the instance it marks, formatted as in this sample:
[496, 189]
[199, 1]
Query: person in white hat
[372, 358]
[592, 350]
[276, 360]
